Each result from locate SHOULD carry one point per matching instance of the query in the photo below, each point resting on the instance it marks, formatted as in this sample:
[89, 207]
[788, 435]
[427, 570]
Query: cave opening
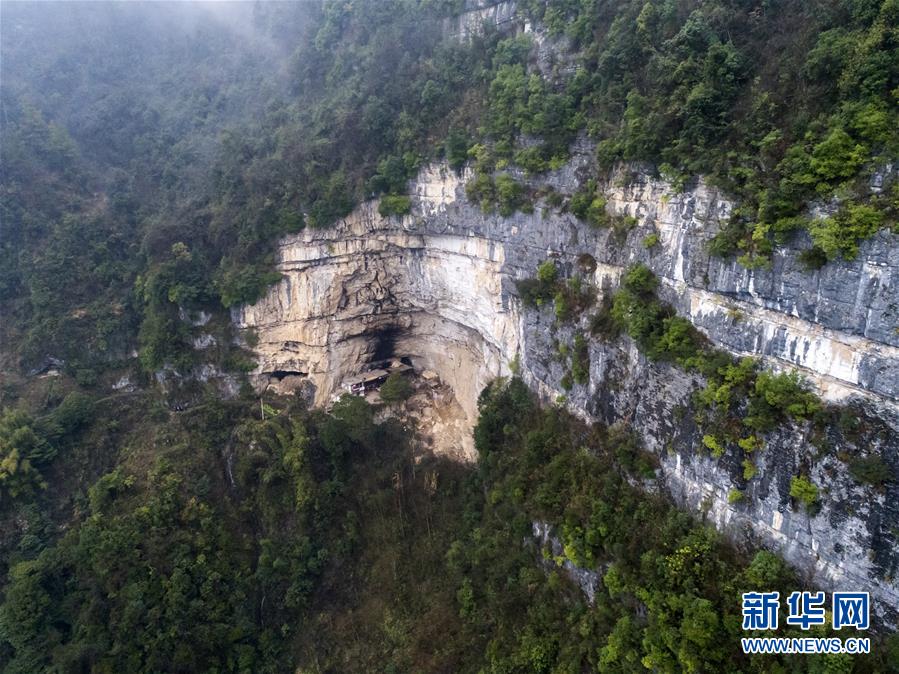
[280, 375]
[385, 344]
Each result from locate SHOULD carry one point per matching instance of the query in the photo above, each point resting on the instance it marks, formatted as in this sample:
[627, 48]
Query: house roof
[364, 377]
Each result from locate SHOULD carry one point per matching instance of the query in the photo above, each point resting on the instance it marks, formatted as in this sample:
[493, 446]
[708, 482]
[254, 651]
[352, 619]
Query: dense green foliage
[778, 105]
[218, 541]
[27, 445]
[151, 159]
[668, 595]
[227, 128]
[111, 218]
[239, 126]
[175, 567]
[736, 390]
[396, 388]
[392, 204]
[22, 451]
[804, 491]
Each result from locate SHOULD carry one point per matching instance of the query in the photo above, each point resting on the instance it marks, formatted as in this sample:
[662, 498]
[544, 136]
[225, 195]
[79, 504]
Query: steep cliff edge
[438, 286]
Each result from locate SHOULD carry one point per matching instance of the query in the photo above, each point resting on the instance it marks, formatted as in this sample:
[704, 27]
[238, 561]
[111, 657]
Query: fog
[172, 72]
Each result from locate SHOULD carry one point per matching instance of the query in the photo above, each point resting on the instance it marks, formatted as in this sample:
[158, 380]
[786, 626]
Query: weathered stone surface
[587, 580]
[438, 286]
[480, 16]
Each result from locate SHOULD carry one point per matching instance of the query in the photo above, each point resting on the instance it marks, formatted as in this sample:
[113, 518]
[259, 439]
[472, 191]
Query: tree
[75, 410]
[394, 204]
[804, 490]
[456, 149]
[640, 280]
[396, 389]
[783, 394]
[22, 451]
[547, 272]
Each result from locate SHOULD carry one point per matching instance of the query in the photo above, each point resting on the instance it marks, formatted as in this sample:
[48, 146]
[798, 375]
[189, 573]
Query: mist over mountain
[445, 335]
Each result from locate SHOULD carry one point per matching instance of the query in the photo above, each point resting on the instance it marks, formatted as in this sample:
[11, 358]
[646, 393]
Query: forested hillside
[152, 156]
[224, 542]
[177, 147]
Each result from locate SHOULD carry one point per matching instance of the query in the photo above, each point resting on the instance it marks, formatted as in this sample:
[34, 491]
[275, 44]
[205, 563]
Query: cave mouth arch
[368, 291]
[384, 340]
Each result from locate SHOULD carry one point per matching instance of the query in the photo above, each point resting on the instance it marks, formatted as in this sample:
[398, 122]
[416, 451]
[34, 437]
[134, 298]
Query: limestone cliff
[438, 286]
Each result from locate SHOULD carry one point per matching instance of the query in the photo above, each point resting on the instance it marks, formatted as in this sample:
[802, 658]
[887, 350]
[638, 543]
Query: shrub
[580, 360]
[553, 198]
[481, 190]
[563, 311]
[532, 292]
[750, 443]
[547, 272]
[640, 280]
[603, 323]
[641, 320]
[621, 225]
[840, 234]
[727, 241]
[836, 158]
[392, 174]
[804, 491]
[532, 159]
[734, 496]
[812, 258]
[23, 449]
[456, 149]
[536, 291]
[290, 221]
[679, 341]
[651, 240]
[589, 206]
[714, 445]
[105, 489]
[397, 388]
[394, 204]
[785, 395]
[509, 194]
[870, 470]
[749, 469]
[75, 410]
[243, 284]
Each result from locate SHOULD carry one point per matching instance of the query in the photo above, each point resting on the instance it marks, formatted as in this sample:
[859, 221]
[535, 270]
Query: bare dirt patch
[441, 426]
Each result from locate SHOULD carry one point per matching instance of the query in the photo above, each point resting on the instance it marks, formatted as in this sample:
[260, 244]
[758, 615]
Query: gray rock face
[586, 579]
[480, 16]
[438, 286]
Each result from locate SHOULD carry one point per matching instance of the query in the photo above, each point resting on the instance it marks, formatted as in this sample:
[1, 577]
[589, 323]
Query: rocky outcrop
[587, 580]
[480, 16]
[438, 287]
[370, 288]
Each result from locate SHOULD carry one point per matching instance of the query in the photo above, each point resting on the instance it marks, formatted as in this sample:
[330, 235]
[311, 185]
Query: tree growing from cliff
[804, 490]
[396, 389]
